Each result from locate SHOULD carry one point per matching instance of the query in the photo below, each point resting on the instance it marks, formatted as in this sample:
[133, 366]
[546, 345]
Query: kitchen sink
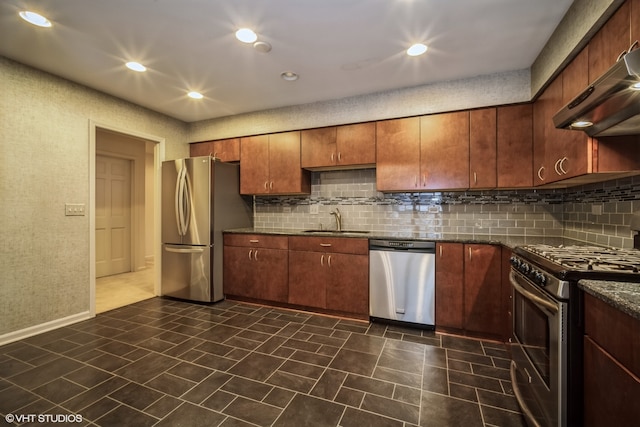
[335, 232]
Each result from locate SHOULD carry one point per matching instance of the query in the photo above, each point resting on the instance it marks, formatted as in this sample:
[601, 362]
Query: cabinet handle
[564, 172]
[415, 181]
[556, 167]
[339, 156]
[329, 261]
[540, 177]
[325, 245]
[469, 253]
[475, 178]
[623, 53]
[255, 255]
[250, 252]
[254, 241]
[322, 260]
[633, 46]
[215, 154]
[424, 180]
[271, 185]
[266, 183]
[440, 251]
[332, 156]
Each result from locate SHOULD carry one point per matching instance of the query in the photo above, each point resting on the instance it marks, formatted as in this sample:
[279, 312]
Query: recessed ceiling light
[136, 66]
[35, 19]
[417, 49]
[195, 95]
[289, 76]
[262, 47]
[246, 35]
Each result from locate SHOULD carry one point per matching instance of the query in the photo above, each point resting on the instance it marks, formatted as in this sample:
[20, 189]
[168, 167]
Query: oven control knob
[515, 261]
[541, 278]
[525, 268]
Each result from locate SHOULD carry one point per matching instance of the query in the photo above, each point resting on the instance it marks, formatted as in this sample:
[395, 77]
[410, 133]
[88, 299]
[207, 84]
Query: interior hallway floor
[165, 363]
[121, 290]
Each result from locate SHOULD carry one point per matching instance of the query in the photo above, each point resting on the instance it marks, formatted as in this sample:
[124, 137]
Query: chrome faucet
[338, 216]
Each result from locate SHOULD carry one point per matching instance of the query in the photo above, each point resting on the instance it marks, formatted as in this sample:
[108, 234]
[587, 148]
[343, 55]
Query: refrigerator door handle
[183, 201]
[182, 250]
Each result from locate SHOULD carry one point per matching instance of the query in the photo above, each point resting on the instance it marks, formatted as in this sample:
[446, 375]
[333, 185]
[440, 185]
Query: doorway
[124, 219]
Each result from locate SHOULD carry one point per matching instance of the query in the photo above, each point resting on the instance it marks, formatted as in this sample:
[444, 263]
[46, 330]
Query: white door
[113, 216]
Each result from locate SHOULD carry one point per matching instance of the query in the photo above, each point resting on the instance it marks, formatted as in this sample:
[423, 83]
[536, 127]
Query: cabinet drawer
[345, 245]
[613, 330]
[257, 241]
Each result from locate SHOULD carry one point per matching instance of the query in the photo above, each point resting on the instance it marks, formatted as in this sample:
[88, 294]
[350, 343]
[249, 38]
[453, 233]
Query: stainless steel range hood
[610, 103]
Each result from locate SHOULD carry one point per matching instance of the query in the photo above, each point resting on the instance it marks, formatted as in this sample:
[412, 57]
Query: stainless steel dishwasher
[402, 281]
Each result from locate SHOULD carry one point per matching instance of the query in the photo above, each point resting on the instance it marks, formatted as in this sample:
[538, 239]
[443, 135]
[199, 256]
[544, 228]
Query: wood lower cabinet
[256, 267]
[339, 147]
[330, 274]
[270, 164]
[469, 294]
[611, 366]
[450, 285]
[227, 150]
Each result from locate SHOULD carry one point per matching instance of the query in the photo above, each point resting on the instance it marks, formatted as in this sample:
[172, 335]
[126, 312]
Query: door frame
[158, 157]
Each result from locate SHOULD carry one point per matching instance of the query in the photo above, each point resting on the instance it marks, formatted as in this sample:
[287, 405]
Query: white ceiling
[339, 48]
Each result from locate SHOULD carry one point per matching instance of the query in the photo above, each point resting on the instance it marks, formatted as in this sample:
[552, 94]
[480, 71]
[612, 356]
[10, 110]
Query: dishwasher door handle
[400, 310]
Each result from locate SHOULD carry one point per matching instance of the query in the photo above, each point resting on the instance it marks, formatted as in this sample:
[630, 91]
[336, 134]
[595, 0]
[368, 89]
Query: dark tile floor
[170, 363]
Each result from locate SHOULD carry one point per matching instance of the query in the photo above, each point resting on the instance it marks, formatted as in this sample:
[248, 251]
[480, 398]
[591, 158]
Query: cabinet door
[610, 390]
[398, 154]
[254, 165]
[348, 288]
[198, 149]
[227, 150]
[285, 174]
[635, 21]
[237, 270]
[515, 146]
[444, 151]
[573, 150]
[540, 171]
[308, 277]
[482, 289]
[449, 285]
[608, 43]
[271, 274]
[356, 144]
[318, 147]
[482, 149]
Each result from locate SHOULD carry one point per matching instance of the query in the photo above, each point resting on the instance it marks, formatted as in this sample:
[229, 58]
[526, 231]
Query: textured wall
[44, 163]
[530, 213]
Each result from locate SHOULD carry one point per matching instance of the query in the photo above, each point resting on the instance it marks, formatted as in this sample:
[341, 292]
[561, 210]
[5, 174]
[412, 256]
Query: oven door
[539, 353]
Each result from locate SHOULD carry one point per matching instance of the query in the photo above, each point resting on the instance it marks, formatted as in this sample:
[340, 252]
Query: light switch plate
[74, 209]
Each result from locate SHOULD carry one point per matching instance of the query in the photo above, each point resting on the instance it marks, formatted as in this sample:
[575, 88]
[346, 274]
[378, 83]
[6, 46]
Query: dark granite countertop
[508, 241]
[625, 296]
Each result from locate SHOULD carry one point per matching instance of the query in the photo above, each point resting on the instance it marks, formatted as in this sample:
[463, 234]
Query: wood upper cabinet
[329, 273]
[482, 149]
[515, 146]
[270, 164]
[450, 285]
[256, 266]
[611, 40]
[339, 146]
[444, 151]
[423, 153]
[611, 365]
[634, 13]
[227, 150]
[398, 154]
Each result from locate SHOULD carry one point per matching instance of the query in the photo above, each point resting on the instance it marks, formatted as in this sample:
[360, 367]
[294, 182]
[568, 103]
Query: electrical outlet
[74, 209]
[314, 209]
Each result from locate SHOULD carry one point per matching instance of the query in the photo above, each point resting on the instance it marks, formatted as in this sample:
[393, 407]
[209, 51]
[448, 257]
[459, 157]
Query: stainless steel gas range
[546, 367]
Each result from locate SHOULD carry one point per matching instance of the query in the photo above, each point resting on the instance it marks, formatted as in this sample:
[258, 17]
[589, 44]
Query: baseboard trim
[44, 327]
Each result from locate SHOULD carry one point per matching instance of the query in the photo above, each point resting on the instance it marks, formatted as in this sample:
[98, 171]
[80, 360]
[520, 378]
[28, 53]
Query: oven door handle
[540, 302]
[531, 420]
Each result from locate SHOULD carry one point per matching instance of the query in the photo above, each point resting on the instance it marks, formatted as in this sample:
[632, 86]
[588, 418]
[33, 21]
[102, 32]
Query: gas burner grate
[596, 258]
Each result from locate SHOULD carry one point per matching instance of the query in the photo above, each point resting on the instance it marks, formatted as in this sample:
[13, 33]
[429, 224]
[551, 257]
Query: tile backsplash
[596, 213]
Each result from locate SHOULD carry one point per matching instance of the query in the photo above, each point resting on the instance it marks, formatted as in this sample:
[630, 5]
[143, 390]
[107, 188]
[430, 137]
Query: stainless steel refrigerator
[200, 198]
